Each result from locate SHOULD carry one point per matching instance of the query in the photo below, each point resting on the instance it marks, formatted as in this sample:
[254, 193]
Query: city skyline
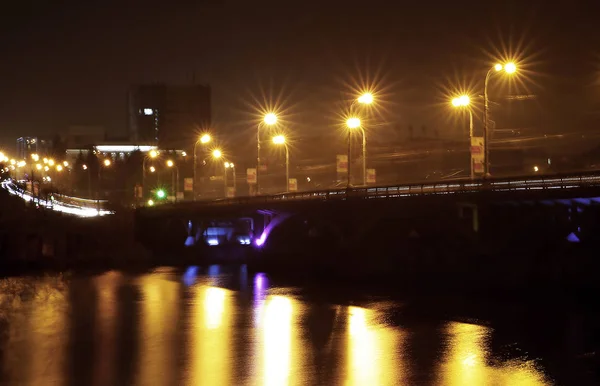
[412, 62]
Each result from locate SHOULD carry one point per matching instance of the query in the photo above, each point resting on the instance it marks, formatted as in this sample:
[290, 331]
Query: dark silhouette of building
[168, 116]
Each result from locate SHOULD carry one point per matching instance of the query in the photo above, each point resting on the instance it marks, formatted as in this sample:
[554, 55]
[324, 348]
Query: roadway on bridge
[76, 206]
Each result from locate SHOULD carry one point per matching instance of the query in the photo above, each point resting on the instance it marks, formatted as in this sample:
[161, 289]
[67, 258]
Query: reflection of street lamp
[203, 140]
[354, 123]
[509, 68]
[280, 140]
[175, 177]
[464, 101]
[269, 119]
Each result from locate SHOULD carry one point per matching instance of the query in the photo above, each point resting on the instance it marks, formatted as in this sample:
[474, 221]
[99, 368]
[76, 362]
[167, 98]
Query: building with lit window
[26, 146]
[168, 116]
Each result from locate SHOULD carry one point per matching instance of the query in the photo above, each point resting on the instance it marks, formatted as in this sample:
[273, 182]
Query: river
[226, 326]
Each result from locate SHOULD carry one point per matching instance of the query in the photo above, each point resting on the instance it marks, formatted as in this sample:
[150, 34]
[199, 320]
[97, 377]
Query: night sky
[71, 62]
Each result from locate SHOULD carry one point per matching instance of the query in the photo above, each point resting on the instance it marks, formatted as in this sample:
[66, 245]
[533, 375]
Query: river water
[218, 326]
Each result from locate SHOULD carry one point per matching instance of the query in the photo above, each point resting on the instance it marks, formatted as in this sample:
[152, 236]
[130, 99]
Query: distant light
[152, 169]
[307, 179]
[124, 148]
[84, 167]
[51, 162]
[150, 202]
[213, 242]
[38, 166]
[226, 165]
[153, 154]
[353, 123]
[59, 168]
[46, 168]
[170, 163]
[279, 139]
[148, 111]
[536, 169]
[161, 193]
[183, 154]
[217, 153]
[65, 163]
[13, 162]
[366, 98]
[549, 161]
[498, 67]
[106, 162]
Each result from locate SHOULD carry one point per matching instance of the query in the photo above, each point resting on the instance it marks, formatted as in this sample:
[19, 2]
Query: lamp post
[204, 139]
[351, 124]
[280, 140]
[229, 165]
[152, 154]
[460, 102]
[509, 68]
[175, 178]
[106, 163]
[365, 98]
[269, 120]
[217, 154]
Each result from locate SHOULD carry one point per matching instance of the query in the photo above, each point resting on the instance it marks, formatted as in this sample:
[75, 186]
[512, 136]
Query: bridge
[359, 217]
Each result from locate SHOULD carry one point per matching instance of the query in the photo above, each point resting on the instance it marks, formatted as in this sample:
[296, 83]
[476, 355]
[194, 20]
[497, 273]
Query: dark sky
[71, 62]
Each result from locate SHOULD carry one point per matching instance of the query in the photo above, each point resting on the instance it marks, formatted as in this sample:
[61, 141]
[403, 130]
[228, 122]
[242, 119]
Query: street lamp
[365, 99]
[354, 123]
[280, 140]
[509, 68]
[151, 154]
[217, 154]
[464, 101]
[203, 140]
[175, 176]
[269, 119]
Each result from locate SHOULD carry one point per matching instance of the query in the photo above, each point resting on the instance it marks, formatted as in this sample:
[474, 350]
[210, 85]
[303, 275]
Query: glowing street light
[205, 138]
[280, 140]
[509, 68]
[59, 168]
[66, 164]
[217, 154]
[51, 162]
[35, 157]
[84, 167]
[38, 166]
[161, 194]
[150, 202]
[269, 119]
[353, 123]
[366, 98]
[107, 162]
[152, 169]
[464, 101]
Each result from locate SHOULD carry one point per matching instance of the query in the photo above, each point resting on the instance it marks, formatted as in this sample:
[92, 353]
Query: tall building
[26, 146]
[168, 116]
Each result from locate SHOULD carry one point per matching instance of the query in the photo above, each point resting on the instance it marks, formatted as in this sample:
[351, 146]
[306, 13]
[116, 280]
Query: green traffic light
[160, 193]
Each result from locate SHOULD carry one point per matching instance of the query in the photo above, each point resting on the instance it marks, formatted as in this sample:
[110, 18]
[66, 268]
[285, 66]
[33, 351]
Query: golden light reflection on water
[210, 341]
[277, 335]
[107, 286]
[467, 361]
[373, 350]
[158, 326]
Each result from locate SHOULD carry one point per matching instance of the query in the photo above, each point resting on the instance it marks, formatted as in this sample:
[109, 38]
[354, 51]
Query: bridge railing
[430, 188]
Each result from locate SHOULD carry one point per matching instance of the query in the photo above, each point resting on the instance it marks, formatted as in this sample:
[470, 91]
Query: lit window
[148, 111]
